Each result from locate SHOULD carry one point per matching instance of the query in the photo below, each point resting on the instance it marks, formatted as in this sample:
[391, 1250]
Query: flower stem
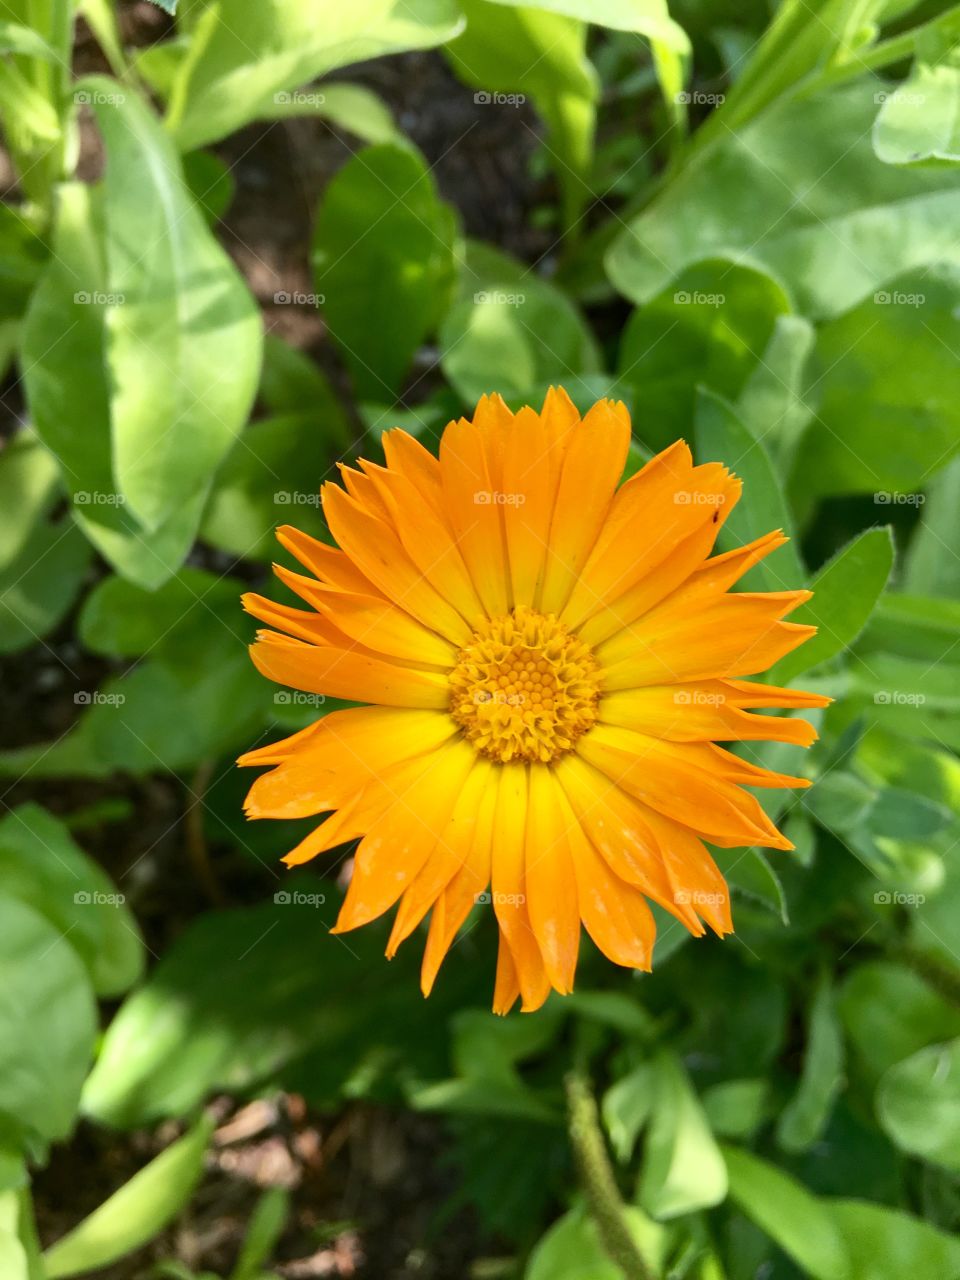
[599, 1183]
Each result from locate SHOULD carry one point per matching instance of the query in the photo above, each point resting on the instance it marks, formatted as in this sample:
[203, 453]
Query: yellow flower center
[524, 688]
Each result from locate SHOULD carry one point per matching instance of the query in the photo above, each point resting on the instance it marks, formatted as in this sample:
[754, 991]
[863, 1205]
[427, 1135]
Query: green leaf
[736, 1108]
[772, 405]
[708, 326]
[890, 1013]
[753, 875]
[69, 396]
[269, 1220]
[889, 390]
[845, 593]
[626, 1107]
[300, 1005]
[683, 1169]
[47, 1024]
[799, 192]
[38, 587]
[918, 1104]
[931, 565]
[722, 437]
[572, 1249]
[41, 865]
[805, 1116]
[800, 1224]
[509, 49]
[245, 53]
[919, 121]
[384, 247]
[885, 1244]
[23, 256]
[184, 333]
[511, 331]
[914, 627]
[137, 1212]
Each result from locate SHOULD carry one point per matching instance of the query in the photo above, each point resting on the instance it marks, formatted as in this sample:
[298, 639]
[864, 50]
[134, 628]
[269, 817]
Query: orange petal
[508, 885]
[550, 881]
[340, 673]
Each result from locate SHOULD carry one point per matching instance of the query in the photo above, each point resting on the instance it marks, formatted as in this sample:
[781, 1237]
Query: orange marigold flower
[551, 660]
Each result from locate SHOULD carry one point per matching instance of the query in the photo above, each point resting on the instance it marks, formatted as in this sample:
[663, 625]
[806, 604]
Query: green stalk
[599, 1183]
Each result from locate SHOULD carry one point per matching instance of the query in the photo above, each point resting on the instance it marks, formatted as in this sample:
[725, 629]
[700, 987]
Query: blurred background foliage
[238, 242]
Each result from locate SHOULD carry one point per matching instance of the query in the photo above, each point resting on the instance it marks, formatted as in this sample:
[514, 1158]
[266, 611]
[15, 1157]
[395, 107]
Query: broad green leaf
[925, 627]
[247, 52]
[47, 1023]
[890, 1013]
[300, 1005]
[272, 477]
[39, 586]
[626, 1107]
[709, 326]
[931, 565]
[800, 1224]
[28, 489]
[805, 1116]
[919, 121]
[886, 1244]
[290, 382]
[800, 192]
[845, 593]
[508, 50]
[918, 1104]
[909, 689]
[511, 331]
[137, 1212]
[69, 397]
[722, 437]
[192, 614]
[889, 390]
[572, 1248]
[41, 865]
[211, 183]
[683, 1169]
[772, 405]
[752, 874]
[23, 257]
[183, 332]
[384, 263]
[736, 1108]
[669, 42]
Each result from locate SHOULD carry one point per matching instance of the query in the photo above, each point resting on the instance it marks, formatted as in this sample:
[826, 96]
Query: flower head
[550, 659]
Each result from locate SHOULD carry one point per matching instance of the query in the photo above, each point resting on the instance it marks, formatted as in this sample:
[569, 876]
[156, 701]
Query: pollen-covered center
[524, 688]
